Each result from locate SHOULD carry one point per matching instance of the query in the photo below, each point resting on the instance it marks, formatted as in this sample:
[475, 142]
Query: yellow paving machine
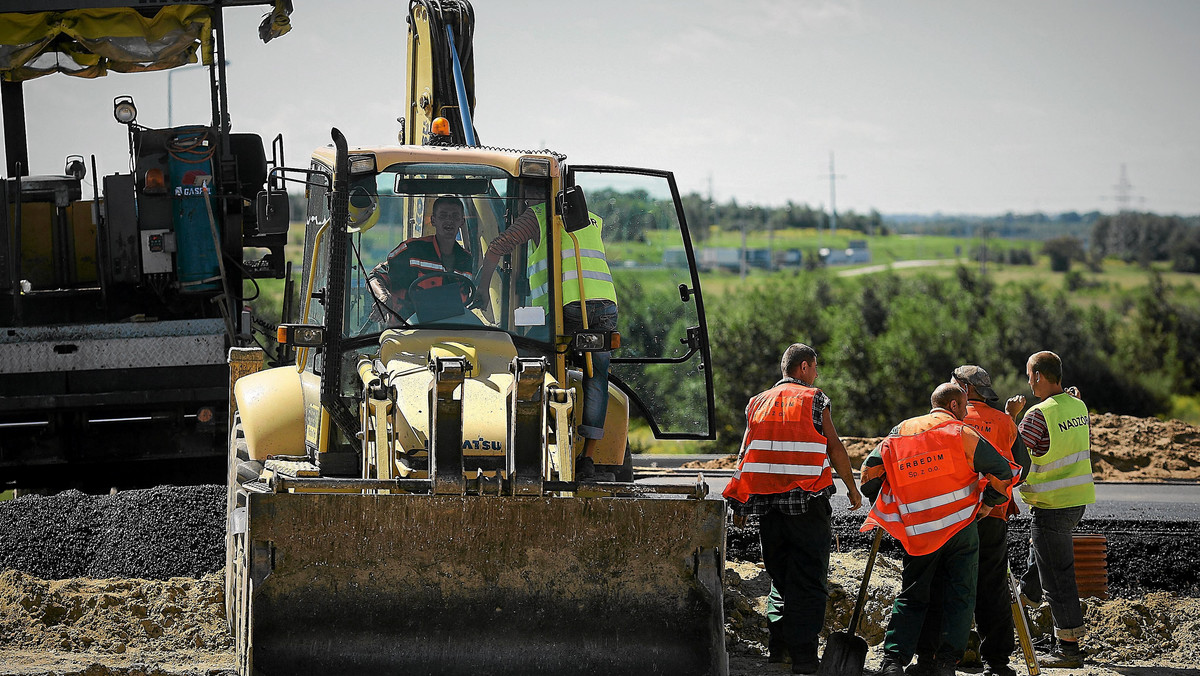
[121, 293]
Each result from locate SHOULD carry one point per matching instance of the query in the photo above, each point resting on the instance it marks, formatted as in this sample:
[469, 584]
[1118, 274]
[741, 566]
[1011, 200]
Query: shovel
[845, 653]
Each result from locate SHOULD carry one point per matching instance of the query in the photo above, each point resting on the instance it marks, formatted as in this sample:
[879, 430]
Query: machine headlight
[124, 110]
[362, 164]
[535, 166]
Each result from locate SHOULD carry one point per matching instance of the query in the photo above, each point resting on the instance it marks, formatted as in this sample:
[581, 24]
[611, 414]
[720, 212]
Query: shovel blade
[845, 655]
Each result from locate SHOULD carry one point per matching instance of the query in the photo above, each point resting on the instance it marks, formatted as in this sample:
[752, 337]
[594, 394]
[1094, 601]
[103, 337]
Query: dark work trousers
[1052, 567]
[795, 551]
[993, 607]
[954, 567]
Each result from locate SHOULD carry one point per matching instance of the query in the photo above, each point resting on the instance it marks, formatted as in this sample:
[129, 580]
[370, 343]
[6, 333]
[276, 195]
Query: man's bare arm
[840, 459]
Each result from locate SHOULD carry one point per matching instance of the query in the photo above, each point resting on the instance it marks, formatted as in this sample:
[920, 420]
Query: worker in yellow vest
[1057, 432]
[583, 255]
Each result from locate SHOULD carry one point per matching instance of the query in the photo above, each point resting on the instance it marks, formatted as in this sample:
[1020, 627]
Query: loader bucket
[420, 584]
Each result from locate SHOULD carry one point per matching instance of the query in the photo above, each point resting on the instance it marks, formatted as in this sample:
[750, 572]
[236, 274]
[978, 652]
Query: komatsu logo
[1081, 421]
[482, 444]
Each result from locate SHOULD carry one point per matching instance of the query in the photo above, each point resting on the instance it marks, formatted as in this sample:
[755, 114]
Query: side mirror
[273, 211]
[573, 207]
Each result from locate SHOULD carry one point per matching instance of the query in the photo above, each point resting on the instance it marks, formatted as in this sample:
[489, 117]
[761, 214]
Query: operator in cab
[408, 281]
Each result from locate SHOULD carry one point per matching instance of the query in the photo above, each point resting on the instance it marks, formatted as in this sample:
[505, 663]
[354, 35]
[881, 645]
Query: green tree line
[885, 341]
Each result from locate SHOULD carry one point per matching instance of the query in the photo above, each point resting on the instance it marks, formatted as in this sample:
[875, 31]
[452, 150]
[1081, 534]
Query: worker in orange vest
[930, 479]
[993, 615]
[784, 476]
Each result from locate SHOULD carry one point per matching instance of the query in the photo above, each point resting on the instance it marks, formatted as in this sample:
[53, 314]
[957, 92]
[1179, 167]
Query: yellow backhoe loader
[403, 499]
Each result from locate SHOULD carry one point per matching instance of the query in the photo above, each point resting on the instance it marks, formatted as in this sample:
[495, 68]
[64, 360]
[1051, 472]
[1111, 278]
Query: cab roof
[386, 156]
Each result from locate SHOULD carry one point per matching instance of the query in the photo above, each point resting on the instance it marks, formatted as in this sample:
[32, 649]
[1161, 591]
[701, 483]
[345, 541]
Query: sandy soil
[177, 627]
[1153, 635]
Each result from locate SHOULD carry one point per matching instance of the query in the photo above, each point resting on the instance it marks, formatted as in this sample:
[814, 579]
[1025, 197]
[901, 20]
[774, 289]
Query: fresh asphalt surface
[1146, 501]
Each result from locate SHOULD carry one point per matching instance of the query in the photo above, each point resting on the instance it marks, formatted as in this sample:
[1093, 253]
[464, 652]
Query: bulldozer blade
[417, 584]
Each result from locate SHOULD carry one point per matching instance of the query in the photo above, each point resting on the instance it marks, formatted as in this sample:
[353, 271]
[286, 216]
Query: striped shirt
[795, 501]
[1034, 433]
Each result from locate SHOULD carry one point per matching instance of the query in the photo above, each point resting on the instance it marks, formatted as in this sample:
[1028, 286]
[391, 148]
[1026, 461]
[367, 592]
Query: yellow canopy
[91, 42]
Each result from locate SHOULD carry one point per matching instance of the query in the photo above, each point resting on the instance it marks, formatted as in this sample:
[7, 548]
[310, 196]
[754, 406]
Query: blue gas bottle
[190, 164]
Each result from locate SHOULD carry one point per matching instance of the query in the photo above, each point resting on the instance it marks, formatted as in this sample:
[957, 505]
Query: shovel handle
[1022, 626]
[862, 590]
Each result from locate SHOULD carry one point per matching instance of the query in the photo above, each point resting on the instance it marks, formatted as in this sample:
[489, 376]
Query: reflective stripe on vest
[930, 492]
[1000, 431]
[1063, 476]
[597, 278]
[782, 450]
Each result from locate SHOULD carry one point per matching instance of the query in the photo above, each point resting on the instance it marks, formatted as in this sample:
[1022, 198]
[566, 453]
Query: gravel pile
[156, 534]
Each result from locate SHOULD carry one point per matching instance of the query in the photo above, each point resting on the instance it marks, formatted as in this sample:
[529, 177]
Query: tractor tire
[236, 475]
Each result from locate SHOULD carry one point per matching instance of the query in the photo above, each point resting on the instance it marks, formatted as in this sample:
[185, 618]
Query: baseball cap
[976, 376]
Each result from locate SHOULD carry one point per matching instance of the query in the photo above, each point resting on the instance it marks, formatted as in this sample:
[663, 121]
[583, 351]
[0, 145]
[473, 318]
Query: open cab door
[663, 362]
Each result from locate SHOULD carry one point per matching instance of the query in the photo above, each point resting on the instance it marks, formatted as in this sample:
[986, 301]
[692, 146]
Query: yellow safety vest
[1063, 476]
[597, 280]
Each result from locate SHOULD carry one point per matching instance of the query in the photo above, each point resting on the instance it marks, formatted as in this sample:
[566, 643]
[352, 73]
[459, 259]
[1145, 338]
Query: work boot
[585, 471]
[804, 661]
[924, 666]
[944, 666]
[890, 667]
[1066, 656]
[778, 653]
[998, 669]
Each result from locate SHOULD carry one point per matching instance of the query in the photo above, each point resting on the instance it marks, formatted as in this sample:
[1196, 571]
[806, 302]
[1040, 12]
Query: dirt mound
[176, 627]
[1161, 627]
[1124, 448]
[114, 615]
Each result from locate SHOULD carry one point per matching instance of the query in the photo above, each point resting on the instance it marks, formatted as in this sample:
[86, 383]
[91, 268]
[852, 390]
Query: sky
[925, 106]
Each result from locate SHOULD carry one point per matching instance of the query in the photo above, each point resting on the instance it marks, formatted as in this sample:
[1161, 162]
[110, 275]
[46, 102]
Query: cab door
[663, 363]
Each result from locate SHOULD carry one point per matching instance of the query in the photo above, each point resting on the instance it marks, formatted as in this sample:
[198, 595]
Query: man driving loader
[423, 264]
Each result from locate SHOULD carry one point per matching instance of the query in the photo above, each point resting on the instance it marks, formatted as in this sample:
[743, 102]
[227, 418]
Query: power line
[833, 177]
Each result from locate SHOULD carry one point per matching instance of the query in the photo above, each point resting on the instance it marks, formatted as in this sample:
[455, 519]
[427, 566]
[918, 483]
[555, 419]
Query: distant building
[675, 257]
[855, 252]
[723, 258]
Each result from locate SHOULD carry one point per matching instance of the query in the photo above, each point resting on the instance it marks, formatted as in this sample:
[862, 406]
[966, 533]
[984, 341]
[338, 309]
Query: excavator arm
[441, 71]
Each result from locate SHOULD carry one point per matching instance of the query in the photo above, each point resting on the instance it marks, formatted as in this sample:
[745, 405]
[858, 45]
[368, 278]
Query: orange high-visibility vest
[782, 449]
[1000, 431]
[930, 490]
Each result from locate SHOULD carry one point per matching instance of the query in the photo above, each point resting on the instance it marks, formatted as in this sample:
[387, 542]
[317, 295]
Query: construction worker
[1059, 486]
[600, 299]
[925, 481]
[993, 615]
[784, 477]
[429, 261]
